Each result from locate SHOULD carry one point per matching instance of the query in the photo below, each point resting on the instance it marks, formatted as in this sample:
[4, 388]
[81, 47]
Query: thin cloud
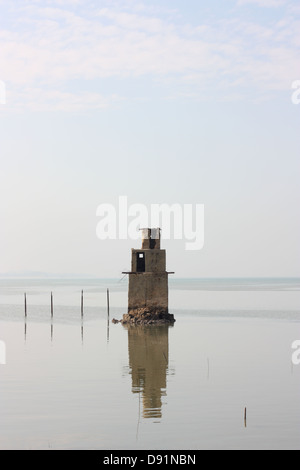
[52, 47]
[52, 100]
[263, 3]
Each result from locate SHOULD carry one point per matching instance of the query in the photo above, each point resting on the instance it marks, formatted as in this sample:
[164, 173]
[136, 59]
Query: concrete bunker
[148, 282]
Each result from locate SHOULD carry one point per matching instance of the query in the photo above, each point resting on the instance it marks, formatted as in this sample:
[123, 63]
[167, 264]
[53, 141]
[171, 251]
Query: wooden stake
[51, 305]
[107, 295]
[82, 303]
[245, 417]
[25, 304]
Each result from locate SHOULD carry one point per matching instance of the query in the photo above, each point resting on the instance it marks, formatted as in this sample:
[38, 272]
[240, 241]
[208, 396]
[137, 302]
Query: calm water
[88, 384]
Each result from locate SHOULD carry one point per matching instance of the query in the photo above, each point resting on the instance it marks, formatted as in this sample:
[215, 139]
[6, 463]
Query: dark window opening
[140, 262]
[152, 243]
[154, 238]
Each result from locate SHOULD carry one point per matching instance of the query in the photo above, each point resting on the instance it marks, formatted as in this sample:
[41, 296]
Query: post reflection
[148, 348]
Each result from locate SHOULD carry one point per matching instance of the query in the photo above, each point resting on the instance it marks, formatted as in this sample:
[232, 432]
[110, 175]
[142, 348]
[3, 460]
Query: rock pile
[146, 316]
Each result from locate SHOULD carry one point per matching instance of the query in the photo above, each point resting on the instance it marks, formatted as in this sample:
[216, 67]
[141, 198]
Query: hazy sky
[165, 101]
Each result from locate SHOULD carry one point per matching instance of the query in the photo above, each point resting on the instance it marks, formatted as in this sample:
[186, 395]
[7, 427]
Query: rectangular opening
[152, 243]
[140, 262]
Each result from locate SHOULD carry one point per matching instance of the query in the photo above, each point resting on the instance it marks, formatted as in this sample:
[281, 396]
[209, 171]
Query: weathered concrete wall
[155, 260]
[148, 290]
[151, 239]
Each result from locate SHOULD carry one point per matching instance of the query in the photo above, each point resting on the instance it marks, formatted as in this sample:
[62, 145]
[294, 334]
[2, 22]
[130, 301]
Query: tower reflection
[148, 348]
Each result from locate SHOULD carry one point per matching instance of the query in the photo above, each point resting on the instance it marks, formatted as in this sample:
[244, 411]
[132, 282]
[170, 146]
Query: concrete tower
[148, 282]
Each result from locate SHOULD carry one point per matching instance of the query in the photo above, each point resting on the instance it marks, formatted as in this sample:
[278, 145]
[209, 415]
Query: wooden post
[245, 417]
[25, 304]
[51, 305]
[107, 298]
[107, 295]
[82, 303]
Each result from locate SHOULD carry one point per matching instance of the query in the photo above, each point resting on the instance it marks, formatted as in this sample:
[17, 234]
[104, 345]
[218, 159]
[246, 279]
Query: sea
[224, 376]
